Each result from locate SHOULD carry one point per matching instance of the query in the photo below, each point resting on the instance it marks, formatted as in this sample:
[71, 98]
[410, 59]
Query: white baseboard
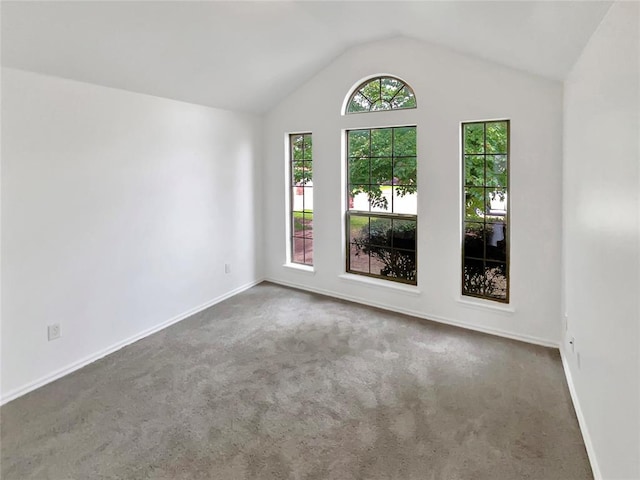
[581, 420]
[414, 313]
[18, 392]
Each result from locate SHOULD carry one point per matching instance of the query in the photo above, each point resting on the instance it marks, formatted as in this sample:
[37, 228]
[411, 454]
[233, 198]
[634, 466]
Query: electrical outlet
[53, 331]
[227, 268]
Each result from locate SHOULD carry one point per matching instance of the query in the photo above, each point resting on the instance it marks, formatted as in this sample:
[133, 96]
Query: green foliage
[382, 238]
[301, 157]
[485, 165]
[382, 156]
[382, 93]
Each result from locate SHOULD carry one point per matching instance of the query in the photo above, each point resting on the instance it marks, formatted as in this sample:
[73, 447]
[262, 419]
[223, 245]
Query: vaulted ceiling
[248, 56]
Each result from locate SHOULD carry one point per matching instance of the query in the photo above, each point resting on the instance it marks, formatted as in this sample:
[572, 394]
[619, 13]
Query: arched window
[382, 188]
[381, 93]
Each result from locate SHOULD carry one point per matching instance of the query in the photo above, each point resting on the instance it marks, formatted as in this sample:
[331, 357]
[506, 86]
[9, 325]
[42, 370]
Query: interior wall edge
[34, 385]
[544, 342]
[582, 423]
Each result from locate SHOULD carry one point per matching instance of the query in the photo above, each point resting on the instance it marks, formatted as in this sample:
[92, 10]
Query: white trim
[480, 305]
[385, 284]
[591, 452]
[18, 392]
[300, 268]
[414, 313]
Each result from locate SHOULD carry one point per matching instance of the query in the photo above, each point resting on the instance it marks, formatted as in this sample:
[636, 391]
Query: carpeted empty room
[276, 383]
[310, 239]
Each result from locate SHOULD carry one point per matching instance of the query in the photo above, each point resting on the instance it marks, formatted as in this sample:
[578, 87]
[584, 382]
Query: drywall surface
[450, 88]
[601, 241]
[119, 212]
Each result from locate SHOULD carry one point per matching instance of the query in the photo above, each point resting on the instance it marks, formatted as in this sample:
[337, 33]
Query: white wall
[119, 211]
[450, 88]
[601, 241]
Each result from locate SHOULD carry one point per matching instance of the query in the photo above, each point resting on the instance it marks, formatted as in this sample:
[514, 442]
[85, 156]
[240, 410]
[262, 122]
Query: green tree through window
[382, 191]
[381, 93]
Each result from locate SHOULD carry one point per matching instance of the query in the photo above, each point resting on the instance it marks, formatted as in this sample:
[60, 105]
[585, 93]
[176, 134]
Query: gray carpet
[276, 383]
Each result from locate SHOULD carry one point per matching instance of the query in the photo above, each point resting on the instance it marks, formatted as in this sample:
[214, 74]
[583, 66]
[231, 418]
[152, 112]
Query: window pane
[380, 261]
[473, 278]
[497, 137]
[372, 90]
[359, 171]
[358, 229]
[474, 203]
[390, 87]
[308, 172]
[496, 241]
[474, 170]
[405, 200]
[380, 105]
[404, 234]
[381, 169]
[474, 236]
[381, 142]
[307, 148]
[404, 142]
[302, 173]
[404, 99]
[358, 104]
[496, 171]
[308, 251]
[380, 198]
[358, 143]
[391, 263]
[298, 250]
[359, 198]
[474, 138]
[496, 280]
[405, 265]
[298, 224]
[496, 199]
[297, 199]
[405, 171]
[358, 259]
[308, 224]
[296, 146]
[380, 232]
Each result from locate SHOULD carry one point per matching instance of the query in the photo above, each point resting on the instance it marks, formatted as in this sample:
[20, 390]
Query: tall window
[381, 93]
[382, 203]
[485, 249]
[301, 198]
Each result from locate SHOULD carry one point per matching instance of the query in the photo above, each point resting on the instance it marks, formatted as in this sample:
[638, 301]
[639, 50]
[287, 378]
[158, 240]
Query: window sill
[485, 305]
[300, 268]
[385, 284]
